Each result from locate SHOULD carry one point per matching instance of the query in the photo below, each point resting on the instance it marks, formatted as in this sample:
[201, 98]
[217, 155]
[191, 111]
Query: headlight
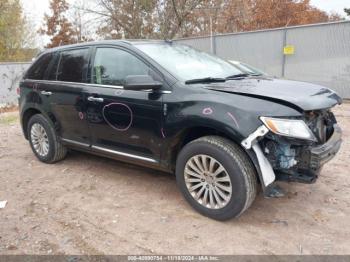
[289, 127]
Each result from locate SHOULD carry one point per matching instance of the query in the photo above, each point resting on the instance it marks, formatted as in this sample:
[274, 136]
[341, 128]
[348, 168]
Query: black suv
[171, 107]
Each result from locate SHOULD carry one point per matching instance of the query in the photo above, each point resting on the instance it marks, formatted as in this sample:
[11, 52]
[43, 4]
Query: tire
[238, 174]
[54, 151]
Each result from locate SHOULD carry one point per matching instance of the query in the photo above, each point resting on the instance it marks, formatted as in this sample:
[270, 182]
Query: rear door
[123, 122]
[65, 88]
[32, 93]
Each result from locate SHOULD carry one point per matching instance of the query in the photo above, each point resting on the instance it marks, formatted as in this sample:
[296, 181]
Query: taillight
[18, 90]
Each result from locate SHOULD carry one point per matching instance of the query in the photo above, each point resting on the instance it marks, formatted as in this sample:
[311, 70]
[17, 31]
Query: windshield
[188, 63]
[247, 68]
[253, 69]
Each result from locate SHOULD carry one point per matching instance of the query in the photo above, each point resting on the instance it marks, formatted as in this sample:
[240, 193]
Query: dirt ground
[92, 205]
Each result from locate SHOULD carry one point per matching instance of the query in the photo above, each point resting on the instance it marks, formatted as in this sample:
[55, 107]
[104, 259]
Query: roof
[109, 42]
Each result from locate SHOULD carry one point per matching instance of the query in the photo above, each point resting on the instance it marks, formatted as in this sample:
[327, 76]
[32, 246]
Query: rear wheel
[216, 177]
[44, 141]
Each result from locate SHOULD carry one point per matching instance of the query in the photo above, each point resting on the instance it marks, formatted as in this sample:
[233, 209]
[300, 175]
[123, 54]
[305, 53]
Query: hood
[305, 96]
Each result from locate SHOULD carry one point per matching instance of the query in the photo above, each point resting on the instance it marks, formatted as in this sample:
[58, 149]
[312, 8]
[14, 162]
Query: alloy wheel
[39, 139]
[208, 181]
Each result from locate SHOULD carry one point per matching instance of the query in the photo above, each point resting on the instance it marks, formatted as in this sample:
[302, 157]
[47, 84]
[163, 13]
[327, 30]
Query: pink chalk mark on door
[109, 123]
[81, 115]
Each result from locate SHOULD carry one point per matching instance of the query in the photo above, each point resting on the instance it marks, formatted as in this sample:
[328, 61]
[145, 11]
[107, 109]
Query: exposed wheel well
[197, 132]
[25, 119]
[192, 134]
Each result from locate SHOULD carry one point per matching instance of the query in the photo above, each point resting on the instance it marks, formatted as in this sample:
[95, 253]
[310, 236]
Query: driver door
[123, 123]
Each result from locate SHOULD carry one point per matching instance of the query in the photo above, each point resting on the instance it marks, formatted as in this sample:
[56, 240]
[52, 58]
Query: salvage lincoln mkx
[171, 107]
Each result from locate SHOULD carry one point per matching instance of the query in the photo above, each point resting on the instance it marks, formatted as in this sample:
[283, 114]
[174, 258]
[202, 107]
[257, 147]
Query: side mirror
[141, 82]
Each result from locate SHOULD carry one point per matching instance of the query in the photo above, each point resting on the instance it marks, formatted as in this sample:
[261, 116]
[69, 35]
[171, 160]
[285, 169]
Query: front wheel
[216, 177]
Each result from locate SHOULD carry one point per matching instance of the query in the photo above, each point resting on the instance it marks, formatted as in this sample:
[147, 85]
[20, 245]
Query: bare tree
[144, 18]
[175, 17]
[125, 18]
[168, 19]
[82, 23]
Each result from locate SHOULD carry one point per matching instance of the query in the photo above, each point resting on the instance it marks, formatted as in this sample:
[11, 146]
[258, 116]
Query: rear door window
[72, 65]
[38, 70]
[52, 73]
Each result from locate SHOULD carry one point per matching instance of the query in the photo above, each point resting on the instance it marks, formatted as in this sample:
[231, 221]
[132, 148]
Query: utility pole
[284, 44]
[212, 37]
[212, 50]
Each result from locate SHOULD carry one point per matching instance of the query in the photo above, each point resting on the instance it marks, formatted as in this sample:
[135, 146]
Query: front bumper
[320, 155]
[312, 159]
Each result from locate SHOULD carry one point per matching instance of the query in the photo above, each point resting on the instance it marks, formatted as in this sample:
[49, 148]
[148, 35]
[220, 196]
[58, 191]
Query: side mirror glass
[141, 82]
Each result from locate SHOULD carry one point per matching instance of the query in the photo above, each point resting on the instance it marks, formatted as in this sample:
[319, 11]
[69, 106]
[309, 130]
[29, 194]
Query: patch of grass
[8, 119]
[10, 108]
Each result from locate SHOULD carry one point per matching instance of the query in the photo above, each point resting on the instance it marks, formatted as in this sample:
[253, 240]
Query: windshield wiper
[238, 76]
[243, 75]
[205, 80]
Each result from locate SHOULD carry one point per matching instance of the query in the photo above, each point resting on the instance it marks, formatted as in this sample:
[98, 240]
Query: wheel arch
[30, 112]
[194, 132]
[191, 133]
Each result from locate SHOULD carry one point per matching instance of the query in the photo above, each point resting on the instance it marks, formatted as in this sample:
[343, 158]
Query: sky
[35, 10]
[332, 5]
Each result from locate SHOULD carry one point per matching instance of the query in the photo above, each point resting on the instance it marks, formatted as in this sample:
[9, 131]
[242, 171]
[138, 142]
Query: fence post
[284, 56]
[213, 44]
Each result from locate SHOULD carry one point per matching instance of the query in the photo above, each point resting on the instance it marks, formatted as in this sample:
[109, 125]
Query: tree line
[16, 34]
[143, 19]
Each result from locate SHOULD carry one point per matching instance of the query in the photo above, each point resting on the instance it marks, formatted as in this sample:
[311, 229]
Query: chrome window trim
[90, 85]
[72, 83]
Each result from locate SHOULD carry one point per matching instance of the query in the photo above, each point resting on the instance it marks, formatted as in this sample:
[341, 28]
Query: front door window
[112, 66]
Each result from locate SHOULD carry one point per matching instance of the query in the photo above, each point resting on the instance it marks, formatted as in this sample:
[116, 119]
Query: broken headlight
[289, 127]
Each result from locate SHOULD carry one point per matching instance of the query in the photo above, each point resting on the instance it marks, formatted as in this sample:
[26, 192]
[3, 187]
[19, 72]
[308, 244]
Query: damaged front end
[294, 149]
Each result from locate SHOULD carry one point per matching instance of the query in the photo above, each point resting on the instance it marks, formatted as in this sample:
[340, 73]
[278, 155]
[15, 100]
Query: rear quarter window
[72, 65]
[38, 70]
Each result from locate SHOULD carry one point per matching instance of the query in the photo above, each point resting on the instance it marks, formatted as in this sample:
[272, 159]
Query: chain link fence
[321, 52]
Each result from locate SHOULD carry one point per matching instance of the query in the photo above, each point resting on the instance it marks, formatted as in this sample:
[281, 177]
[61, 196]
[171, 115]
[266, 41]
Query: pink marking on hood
[233, 118]
[162, 131]
[207, 111]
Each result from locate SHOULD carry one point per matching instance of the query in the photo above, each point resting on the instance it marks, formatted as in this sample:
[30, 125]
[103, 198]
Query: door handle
[95, 99]
[46, 93]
